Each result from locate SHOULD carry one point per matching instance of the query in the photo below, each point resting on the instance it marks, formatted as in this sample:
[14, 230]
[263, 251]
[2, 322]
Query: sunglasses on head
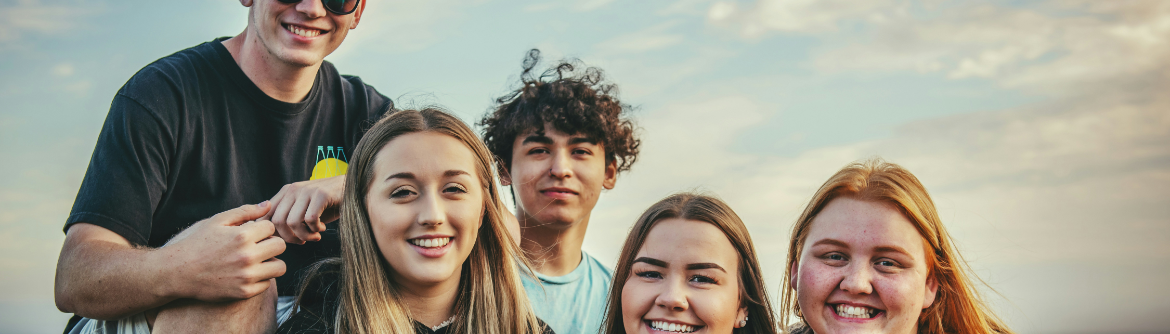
[337, 7]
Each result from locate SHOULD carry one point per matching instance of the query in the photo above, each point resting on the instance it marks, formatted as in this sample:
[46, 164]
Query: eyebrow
[831, 242]
[706, 265]
[539, 139]
[579, 140]
[410, 176]
[652, 261]
[891, 249]
[692, 266]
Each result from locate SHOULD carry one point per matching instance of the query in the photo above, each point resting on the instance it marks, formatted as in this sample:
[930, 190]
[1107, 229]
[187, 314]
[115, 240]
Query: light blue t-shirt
[574, 303]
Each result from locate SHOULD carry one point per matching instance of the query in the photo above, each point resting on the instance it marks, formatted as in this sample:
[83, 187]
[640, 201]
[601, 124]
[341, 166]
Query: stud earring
[743, 323]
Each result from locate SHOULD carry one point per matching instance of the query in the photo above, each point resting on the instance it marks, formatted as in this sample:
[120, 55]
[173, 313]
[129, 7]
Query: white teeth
[855, 311]
[672, 327]
[303, 32]
[430, 243]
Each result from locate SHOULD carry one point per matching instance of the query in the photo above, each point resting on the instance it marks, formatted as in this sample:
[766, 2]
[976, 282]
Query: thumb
[242, 214]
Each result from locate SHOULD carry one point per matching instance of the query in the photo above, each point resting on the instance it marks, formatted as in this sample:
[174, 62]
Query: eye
[886, 263]
[703, 279]
[402, 192]
[455, 188]
[835, 259]
[649, 274]
[538, 150]
[582, 151]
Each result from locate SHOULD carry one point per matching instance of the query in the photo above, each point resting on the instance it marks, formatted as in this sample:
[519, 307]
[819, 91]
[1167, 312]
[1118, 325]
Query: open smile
[670, 326]
[855, 312]
[431, 246]
[302, 31]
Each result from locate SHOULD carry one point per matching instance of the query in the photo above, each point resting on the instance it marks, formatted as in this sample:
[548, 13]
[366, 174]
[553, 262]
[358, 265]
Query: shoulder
[596, 268]
[357, 93]
[171, 80]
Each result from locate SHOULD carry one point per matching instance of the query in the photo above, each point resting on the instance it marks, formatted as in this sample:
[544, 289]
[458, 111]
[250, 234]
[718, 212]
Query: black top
[318, 307]
[190, 136]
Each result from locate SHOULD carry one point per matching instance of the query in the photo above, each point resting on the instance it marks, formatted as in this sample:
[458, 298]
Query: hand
[300, 210]
[226, 257]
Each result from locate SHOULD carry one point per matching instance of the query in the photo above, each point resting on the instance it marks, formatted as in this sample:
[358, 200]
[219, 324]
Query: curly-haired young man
[561, 138]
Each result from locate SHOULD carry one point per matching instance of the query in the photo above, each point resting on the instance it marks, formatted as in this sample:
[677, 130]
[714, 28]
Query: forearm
[105, 279]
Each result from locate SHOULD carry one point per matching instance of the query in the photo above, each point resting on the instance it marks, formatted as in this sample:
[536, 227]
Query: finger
[242, 214]
[270, 269]
[280, 210]
[276, 199]
[315, 210]
[269, 248]
[286, 233]
[296, 219]
[257, 230]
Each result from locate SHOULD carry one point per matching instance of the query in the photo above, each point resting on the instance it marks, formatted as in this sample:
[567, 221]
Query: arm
[100, 275]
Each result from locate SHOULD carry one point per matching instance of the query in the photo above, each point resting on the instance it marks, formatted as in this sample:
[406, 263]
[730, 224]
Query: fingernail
[264, 204]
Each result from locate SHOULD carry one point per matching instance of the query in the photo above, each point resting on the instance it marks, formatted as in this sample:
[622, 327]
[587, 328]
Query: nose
[312, 8]
[431, 211]
[561, 165]
[859, 279]
[673, 297]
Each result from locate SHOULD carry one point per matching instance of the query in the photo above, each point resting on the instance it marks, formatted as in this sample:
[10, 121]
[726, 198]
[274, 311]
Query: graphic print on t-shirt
[330, 162]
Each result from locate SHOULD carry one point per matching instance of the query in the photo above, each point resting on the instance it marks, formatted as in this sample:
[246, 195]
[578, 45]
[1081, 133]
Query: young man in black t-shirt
[157, 238]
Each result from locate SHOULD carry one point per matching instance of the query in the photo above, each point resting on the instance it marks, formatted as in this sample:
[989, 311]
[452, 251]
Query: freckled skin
[696, 297]
[863, 253]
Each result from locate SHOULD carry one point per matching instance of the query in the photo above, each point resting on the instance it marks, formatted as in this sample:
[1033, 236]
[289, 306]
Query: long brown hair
[692, 206]
[491, 298]
[958, 307]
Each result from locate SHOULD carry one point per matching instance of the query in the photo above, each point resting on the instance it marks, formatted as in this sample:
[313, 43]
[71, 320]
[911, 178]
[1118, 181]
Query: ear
[357, 15]
[792, 276]
[931, 292]
[741, 318]
[610, 175]
[246, 3]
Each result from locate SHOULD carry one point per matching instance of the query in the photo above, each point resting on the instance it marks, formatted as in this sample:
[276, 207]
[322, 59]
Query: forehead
[424, 153]
[865, 225]
[682, 241]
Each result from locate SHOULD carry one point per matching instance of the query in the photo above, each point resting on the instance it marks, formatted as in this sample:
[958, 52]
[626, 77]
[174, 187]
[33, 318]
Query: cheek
[636, 301]
[901, 294]
[717, 309]
[814, 283]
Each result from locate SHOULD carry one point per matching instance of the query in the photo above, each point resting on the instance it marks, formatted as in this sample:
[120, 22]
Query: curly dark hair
[573, 102]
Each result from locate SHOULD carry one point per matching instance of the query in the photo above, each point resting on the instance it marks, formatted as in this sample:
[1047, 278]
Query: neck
[278, 79]
[555, 250]
[431, 304]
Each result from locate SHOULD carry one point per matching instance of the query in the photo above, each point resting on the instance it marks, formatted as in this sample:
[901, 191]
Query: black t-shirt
[190, 136]
[317, 307]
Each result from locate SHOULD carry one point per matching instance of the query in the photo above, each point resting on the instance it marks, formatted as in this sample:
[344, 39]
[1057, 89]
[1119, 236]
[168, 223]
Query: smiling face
[425, 205]
[558, 177]
[301, 33]
[863, 269]
[685, 279]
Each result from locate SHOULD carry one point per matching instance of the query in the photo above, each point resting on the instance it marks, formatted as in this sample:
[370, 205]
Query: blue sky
[1041, 128]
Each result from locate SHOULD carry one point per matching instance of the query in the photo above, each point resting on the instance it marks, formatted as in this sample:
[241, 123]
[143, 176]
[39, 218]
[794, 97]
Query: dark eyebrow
[831, 242]
[578, 140]
[652, 261]
[708, 265]
[403, 175]
[539, 139]
[455, 172]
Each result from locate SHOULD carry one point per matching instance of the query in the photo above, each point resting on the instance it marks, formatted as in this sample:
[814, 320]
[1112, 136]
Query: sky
[1040, 128]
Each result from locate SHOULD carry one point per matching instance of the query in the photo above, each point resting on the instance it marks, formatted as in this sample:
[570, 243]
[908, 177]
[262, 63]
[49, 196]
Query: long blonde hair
[692, 206]
[958, 307]
[491, 298]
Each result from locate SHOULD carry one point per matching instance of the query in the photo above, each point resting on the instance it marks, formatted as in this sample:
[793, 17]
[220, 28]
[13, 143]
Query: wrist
[165, 274]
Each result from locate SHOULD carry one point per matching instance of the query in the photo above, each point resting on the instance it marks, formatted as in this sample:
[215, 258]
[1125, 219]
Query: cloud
[1056, 48]
[653, 38]
[32, 17]
[399, 27]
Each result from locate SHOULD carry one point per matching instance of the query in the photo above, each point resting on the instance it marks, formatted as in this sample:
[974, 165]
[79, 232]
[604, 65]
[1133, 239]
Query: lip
[832, 309]
[558, 192]
[433, 252]
[646, 323]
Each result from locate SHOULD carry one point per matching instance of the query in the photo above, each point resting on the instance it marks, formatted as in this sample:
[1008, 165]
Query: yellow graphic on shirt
[330, 162]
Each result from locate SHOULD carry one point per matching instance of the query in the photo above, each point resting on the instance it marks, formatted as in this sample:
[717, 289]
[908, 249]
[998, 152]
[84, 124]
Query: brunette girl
[688, 266]
[870, 254]
[424, 248]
